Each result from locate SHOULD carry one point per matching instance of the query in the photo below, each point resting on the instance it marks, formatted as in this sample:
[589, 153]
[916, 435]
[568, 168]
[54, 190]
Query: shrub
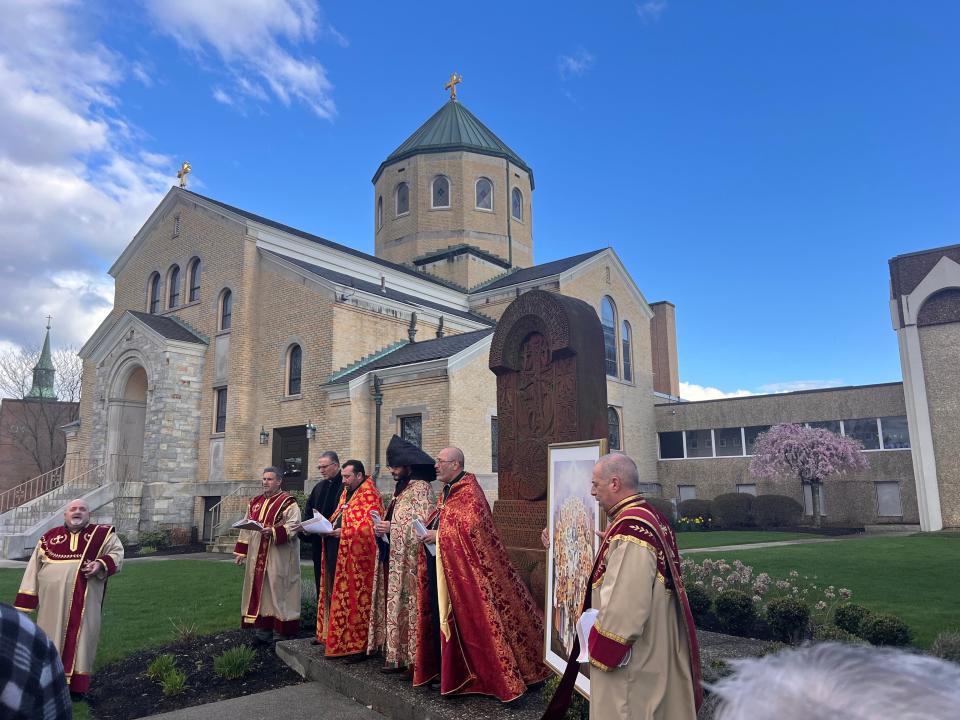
[161, 665]
[154, 538]
[735, 612]
[665, 507]
[831, 633]
[947, 645]
[885, 630]
[301, 497]
[694, 508]
[770, 511]
[234, 663]
[700, 602]
[174, 682]
[178, 536]
[146, 549]
[850, 616]
[732, 510]
[788, 619]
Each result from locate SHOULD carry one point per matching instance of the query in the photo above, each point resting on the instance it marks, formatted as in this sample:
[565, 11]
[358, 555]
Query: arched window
[194, 275]
[608, 319]
[613, 429]
[441, 192]
[484, 194]
[173, 283]
[403, 199]
[154, 299]
[294, 369]
[379, 212]
[625, 338]
[516, 204]
[226, 310]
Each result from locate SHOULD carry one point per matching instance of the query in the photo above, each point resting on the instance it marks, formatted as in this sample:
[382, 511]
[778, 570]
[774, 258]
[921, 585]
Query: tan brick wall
[473, 401]
[938, 347]
[633, 400]
[424, 228]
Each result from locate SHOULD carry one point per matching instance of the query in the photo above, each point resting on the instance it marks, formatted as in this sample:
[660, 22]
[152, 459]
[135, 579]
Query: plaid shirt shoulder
[32, 684]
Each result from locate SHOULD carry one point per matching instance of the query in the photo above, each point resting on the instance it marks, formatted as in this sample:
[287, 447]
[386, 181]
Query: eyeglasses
[324, 467]
[440, 462]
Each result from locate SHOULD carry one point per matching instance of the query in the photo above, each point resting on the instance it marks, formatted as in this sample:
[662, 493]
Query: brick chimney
[663, 348]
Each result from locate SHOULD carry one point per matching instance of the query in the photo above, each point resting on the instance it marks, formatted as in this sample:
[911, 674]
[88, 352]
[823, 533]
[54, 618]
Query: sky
[756, 163]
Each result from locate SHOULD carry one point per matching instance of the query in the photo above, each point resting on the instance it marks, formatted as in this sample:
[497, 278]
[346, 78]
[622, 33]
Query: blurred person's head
[837, 681]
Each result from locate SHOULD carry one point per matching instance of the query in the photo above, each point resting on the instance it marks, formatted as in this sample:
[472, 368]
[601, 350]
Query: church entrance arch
[126, 417]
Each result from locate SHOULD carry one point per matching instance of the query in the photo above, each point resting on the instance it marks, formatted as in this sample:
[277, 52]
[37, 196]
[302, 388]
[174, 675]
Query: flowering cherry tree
[808, 453]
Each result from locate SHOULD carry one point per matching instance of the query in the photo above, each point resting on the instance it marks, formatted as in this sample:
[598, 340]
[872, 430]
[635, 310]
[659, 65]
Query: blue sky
[756, 163]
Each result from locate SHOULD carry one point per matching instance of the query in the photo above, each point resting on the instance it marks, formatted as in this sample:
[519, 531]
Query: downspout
[508, 205]
[378, 402]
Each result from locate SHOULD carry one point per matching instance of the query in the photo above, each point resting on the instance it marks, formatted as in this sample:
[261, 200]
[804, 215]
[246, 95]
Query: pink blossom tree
[811, 454]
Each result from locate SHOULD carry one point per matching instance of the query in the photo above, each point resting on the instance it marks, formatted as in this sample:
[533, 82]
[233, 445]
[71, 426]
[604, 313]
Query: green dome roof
[452, 128]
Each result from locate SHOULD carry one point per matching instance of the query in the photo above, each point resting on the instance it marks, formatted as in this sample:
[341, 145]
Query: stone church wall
[938, 347]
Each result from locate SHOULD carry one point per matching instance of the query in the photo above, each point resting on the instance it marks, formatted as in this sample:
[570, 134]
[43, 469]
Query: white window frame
[492, 193]
[876, 491]
[681, 498]
[396, 199]
[519, 192]
[433, 194]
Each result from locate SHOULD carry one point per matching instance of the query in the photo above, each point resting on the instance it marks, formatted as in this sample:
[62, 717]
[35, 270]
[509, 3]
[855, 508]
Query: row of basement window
[440, 198]
[885, 433]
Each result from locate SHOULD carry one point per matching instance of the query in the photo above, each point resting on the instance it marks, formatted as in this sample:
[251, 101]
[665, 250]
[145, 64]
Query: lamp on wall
[264, 436]
[311, 430]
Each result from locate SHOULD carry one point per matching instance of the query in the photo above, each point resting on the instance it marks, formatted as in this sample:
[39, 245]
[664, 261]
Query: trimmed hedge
[735, 612]
[732, 510]
[788, 619]
[665, 507]
[771, 511]
[885, 630]
[695, 508]
[850, 616]
[700, 602]
[831, 633]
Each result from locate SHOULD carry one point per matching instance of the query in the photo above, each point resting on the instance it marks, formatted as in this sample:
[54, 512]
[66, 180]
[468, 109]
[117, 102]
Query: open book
[319, 525]
[248, 524]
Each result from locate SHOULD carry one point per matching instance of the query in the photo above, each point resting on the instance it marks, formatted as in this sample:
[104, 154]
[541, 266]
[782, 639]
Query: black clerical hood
[403, 452]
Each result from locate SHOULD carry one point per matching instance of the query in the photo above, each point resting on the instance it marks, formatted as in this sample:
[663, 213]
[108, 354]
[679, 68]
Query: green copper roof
[452, 128]
[43, 373]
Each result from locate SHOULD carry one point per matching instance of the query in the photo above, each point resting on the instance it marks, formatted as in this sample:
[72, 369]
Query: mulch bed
[122, 690]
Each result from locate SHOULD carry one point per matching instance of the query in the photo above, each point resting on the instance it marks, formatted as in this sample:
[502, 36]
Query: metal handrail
[25, 516]
[215, 509]
[39, 485]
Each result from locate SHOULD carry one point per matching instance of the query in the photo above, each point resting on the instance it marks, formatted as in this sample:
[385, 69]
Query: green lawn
[145, 600]
[915, 577]
[715, 538]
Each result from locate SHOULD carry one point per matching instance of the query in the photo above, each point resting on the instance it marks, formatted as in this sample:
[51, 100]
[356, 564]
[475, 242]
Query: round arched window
[516, 204]
[403, 199]
[484, 194]
[441, 192]
[608, 319]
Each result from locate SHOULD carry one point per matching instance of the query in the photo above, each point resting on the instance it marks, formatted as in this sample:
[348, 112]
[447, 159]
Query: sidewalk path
[307, 701]
[775, 543]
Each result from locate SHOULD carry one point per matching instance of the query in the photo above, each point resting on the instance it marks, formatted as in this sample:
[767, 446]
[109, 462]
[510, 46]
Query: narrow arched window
[379, 212]
[226, 310]
[194, 276]
[441, 192]
[613, 429]
[484, 194]
[608, 319]
[516, 204]
[403, 199]
[294, 369]
[174, 284]
[154, 300]
[625, 339]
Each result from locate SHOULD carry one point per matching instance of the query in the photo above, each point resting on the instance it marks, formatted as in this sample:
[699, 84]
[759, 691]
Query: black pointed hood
[403, 452]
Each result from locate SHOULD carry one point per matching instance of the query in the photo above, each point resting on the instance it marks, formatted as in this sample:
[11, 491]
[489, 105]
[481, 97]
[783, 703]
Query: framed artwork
[573, 520]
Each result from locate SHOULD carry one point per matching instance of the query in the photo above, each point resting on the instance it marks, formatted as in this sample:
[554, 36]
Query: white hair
[836, 681]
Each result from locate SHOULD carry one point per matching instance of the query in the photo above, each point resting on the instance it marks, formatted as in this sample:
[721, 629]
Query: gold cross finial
[184, 169]
[455, 79]
[49, 318]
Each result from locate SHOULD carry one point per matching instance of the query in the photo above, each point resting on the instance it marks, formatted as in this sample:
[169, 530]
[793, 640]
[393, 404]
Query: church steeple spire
[43, 372]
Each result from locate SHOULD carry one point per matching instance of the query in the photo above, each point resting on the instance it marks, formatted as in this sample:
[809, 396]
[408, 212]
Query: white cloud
[693, 392]
[74, 187]
[651, 10]
[220, 95]
[577, 64]
[797, 385]
[260, 43]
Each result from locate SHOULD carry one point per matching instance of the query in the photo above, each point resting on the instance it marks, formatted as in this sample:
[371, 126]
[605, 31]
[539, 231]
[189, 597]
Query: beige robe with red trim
[635, 608]
[51, 583]
[280, 594]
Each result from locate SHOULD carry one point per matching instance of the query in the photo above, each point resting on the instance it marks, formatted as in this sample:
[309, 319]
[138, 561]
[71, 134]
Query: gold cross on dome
[455, 79]
[182, 174]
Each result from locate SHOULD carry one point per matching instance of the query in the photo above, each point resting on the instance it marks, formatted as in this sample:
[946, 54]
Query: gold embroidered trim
[634, 540]
[610, 635]
[599, 665]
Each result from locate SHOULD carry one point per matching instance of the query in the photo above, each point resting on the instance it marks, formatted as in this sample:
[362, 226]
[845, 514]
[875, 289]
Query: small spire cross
[455, 79]
[49, 318]
[182, 174]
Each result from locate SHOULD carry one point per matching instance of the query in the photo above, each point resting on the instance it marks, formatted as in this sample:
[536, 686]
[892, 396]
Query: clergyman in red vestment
[65, 581]
[270, 600]
[343, 615]
[480, 630]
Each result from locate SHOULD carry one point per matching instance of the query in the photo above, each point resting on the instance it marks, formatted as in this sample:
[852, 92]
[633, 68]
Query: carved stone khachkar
[547, 354]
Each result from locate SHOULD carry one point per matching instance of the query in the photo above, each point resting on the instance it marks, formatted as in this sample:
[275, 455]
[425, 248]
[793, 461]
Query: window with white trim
[440, 193]
[484, 194]
[686, 492]
[888, 499]
[516, 204]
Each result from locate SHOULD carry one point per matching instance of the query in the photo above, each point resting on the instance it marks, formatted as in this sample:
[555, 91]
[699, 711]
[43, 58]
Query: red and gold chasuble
[491, 630]
[352, 596]
[268, 512]
[59, 545]
[637, 521]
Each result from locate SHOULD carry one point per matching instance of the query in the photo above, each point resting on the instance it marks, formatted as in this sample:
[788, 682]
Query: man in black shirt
[323, 498]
